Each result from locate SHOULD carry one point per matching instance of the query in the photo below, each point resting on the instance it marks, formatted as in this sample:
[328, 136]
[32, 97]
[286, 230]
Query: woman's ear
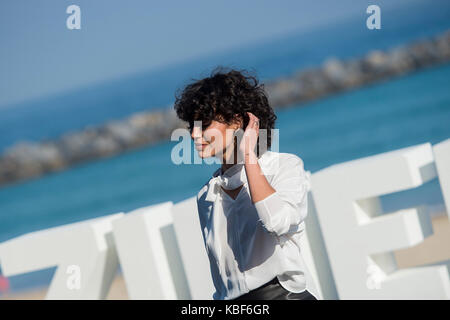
[239, 121]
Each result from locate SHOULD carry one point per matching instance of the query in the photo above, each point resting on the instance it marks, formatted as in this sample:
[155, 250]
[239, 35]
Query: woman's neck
[226, 160]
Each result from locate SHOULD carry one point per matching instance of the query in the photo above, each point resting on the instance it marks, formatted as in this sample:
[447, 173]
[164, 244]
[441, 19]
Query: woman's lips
[200, 146]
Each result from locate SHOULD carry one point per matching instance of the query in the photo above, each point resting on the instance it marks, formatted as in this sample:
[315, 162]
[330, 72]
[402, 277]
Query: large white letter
[87, 245]
[442, 160]
[149, 254]
[360, 237]
[192, 247]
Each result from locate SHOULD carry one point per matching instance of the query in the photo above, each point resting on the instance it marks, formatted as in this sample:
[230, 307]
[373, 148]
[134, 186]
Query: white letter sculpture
[190, 239]
[360, 237]
[348, 246]
[149, 254]
[442, 160]
[85, 247]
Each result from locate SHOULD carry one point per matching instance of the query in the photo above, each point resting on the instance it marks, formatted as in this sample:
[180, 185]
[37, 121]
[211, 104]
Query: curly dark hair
[223, 95]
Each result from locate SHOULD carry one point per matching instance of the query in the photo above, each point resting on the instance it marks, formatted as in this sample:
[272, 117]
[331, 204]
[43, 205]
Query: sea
[396, 113]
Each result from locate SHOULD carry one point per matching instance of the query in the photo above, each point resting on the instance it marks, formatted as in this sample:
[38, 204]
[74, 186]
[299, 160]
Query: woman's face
[214, 140]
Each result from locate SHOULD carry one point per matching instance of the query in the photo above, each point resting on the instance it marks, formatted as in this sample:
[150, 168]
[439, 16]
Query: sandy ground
[118, 291]
[434, 249]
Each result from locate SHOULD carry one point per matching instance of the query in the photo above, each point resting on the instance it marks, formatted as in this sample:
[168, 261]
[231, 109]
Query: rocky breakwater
[26, 160]
[336, 75]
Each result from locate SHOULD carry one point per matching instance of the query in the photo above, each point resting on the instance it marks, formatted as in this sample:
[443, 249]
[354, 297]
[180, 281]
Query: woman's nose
[196, 133]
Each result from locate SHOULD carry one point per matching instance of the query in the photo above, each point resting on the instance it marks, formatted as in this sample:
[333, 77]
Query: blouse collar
[232, 178]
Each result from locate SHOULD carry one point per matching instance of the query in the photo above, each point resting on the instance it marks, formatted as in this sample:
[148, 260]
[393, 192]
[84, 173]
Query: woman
[252, 209]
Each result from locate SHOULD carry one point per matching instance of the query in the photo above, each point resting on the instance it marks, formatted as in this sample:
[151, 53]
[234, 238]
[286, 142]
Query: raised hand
[250, 136]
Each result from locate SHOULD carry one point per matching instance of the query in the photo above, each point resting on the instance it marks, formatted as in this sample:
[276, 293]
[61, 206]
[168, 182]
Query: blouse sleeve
[282, 211]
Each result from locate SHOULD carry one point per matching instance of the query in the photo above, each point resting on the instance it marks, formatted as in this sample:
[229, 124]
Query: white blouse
[249, 244]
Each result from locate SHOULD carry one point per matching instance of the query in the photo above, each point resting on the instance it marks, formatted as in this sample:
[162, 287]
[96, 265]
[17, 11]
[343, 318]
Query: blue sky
[40, 56]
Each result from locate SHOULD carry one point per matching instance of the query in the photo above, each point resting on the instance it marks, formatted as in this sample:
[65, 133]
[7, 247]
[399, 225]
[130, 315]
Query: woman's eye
[204, 127]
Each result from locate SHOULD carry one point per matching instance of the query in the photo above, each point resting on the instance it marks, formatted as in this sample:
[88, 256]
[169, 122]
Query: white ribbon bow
[231, 179]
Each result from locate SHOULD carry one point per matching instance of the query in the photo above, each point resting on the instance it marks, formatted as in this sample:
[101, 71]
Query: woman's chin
[207, 154]
[203, 154]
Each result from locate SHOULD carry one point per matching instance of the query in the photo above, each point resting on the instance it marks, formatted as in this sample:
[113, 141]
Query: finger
[250, 122]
